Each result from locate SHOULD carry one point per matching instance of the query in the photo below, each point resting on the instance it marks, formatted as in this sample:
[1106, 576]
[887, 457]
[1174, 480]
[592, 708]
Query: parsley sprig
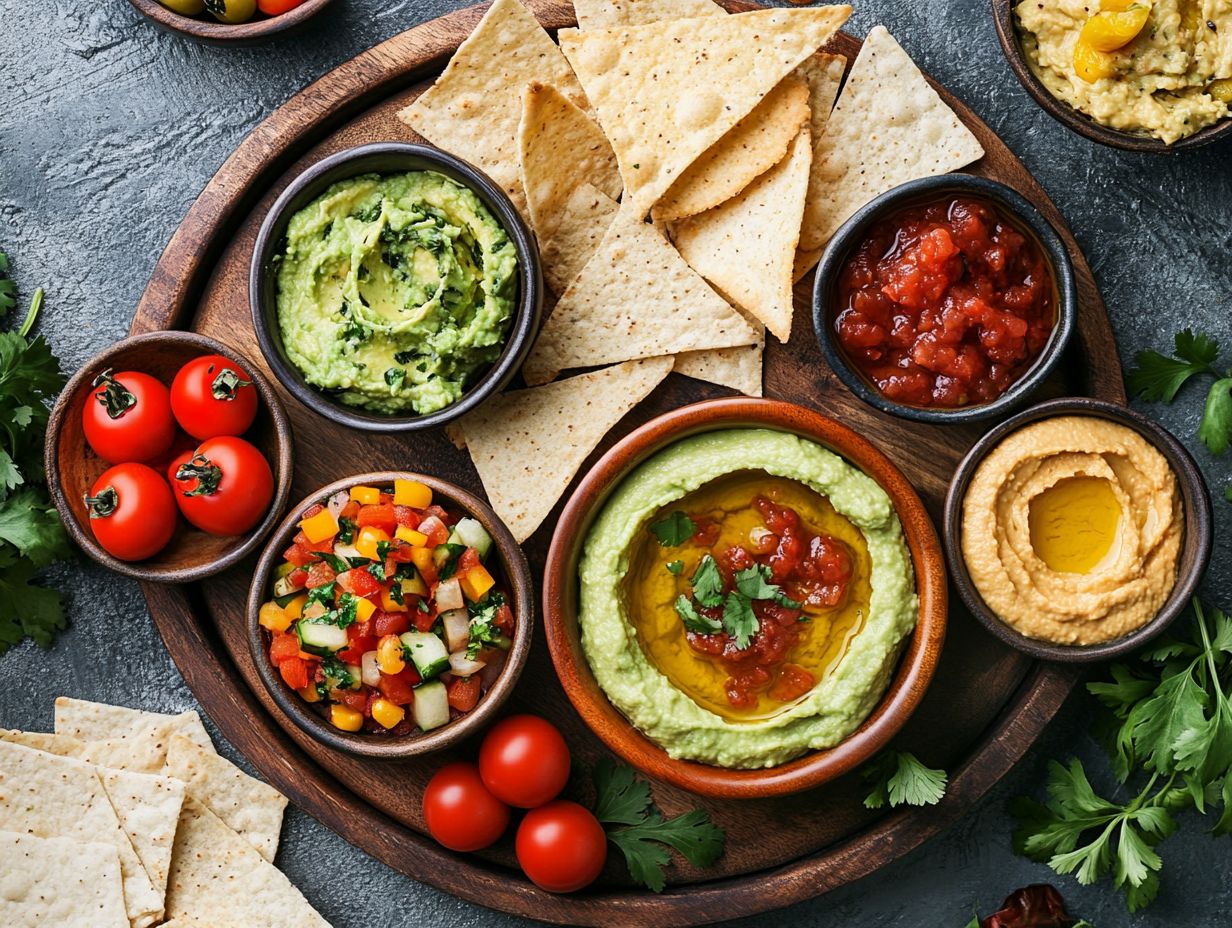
[1159, 378]
[899, 778]
[643, 834]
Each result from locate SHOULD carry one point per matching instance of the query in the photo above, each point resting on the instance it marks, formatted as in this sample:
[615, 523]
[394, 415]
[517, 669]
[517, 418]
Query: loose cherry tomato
[213, 396]
[524, 761]
[277, 7]
[132, 512]
[226, 488]
[561, 846]
[128, 418]
[177, 462]
[460, 813]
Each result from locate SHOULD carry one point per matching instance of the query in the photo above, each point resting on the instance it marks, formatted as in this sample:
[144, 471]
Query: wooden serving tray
[987, 703]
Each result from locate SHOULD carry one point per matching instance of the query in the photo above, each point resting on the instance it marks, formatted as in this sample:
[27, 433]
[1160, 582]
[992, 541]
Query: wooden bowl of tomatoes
[228, 22]
[168, 457]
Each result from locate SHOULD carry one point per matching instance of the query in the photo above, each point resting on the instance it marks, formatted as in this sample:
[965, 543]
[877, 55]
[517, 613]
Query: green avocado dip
[395, 292]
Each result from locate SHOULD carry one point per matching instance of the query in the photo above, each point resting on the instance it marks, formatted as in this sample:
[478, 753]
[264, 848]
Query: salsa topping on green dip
[395, 292]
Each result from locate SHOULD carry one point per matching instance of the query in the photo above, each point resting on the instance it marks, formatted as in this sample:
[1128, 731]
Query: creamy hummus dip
[1164, 81]
[395, 292]
[642, 687]
[1071, 530]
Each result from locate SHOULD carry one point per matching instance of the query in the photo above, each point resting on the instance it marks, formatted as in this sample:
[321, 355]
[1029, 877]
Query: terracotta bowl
[210, 31]
[560, 591]
[1195, 550]
[513, 569]
[1007, 32]
[72, 467]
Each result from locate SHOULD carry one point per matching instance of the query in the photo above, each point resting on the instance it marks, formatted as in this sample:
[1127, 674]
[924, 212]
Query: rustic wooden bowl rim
[213, 32]
[916, 664]
[111, 357]
[1191, 564]
[521, 589]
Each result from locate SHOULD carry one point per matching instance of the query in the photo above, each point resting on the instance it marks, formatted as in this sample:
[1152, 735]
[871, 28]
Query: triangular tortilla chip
[59, 883]
[583, 221]
[635, 298]
[96, 721]
[665, 92]
[474, 108]
[888, 127]
[823, 73]
[603, 14]
[746, 247]
[528, 444]
[561, 149]
[738, 368]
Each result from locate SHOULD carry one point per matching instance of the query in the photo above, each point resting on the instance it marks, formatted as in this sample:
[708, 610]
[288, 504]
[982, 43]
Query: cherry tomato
[561, 846]
[132, 512]
[213, 396]
[128, 418]
[524, 761]
[277, 7]
[177, 462]
[226, 487]
[460, 813]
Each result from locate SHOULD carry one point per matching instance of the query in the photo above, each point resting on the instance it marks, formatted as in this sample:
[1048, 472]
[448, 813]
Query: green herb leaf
[707, 583]
[754, 582]
[26, 609]
[899, 778]
[1156, 377]
[739, 620]
[1215, 429]
[620, 797]
[695, 621]
[340, 565]
[673, 531]
[675, 567]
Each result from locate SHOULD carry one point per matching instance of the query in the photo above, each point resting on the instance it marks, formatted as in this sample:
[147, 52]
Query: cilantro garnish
[707, 583]
[346, 531]
[674, 567]
[483, 630]
[695, 621]
[1158, 378]
[754, 582]
[640, 831]
[740, 622]
[899, 778]
[338, 564]
[336, 673]
[673, 531]
[322, 595]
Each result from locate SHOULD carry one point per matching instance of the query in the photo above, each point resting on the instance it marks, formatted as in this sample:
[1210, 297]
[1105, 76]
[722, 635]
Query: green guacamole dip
[395, 292]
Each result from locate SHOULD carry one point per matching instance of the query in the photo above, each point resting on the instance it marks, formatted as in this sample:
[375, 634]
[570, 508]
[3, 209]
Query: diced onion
[369, 669]
[462, 665]
[337, 502]
[448, 595]
[457, 624]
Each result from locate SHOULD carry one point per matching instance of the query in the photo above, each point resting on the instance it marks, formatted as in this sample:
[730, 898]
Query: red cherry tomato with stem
[132, 513]
[212, 395]
[128, 418]
[561, 846]
[226, 487]
[524, 761]
[459, 811]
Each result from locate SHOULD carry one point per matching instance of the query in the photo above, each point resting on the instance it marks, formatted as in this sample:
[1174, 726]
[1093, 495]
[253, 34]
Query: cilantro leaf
[30, 524]
[483, 630]
[8, 289]
[674, 567]
[899, 778]
[26, 609]
[621, 798]
[1156, 377]
[754, 582]
[674, 530]
[695, 621]
[707, 583]
[739, 620]
[1215, 429]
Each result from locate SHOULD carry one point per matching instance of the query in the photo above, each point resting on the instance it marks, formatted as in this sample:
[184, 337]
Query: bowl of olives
[228, 22]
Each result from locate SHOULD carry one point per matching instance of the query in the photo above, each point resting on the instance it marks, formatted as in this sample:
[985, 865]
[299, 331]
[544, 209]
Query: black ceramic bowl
[1195, 547]
[1006, 22]
[1028, 219]
[391, 158]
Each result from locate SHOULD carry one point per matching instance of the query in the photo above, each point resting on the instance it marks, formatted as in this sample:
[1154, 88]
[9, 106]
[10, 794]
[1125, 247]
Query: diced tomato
[390, 623]
[381, 516]
[423, 620]
[358, 630]
[469, 559]
[349, 511]
[356, 699]
[386, 497]
[464, 693]
[793, 681]
[298, 555]
[319, 574]
[440, 513]
[324, 546]
[297, 578]
[359, 582]
[399, 552]
[294, 672]
[283, 646]
[504, 619]
[407, 517]
[310, 511]
[399, 687]
[436, 531]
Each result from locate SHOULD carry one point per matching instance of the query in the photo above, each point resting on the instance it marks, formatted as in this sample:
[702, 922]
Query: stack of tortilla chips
[127, 818]
[681, 168]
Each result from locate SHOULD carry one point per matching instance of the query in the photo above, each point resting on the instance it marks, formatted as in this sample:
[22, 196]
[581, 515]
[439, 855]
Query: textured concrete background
[108, 130]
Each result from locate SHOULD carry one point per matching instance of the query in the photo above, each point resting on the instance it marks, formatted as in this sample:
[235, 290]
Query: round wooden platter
[987, 703]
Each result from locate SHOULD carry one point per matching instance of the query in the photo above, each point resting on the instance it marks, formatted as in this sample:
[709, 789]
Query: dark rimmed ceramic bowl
[72, 467]
[1195, 549]
[206, 29]
[513, 568]
[1011, 44]
[391, 158]
[1029, 220]
[916, 664]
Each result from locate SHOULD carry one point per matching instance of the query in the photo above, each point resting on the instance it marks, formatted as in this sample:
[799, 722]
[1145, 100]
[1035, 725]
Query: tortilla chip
[528, 444]
[805, 261]
[888, 127]
[96, 721]
[603, 14]
[249, 807]
[666, 92]
[823, 73]
[218, 877]
[474, 108]
[561, 149]
[738, 368]
[746, 247]
[59, 883]
[584, 220]
[49, 796]
[635, 298]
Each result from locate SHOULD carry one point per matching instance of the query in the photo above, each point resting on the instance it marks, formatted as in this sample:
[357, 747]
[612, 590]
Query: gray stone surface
[108, 130]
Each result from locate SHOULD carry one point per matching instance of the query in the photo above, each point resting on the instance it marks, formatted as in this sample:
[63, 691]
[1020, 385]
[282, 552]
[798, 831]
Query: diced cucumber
[446, 555]
[320, 637]
[431, 706]
[346, 552]
[427, 653]
[471, 534]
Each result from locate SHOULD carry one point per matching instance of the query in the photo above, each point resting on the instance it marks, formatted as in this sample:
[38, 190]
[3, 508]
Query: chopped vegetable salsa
[385, 613]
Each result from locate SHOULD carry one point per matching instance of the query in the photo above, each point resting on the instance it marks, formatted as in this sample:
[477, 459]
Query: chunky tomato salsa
[945, 303]
[384, 613]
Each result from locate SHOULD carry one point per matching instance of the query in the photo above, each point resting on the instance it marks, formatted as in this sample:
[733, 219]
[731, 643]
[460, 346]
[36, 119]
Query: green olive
[184, 7]
[232, 11]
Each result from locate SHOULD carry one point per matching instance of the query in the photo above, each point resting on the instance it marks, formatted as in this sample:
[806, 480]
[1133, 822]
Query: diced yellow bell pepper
[412, 493]
[1221, 90]
[319, 527]
[389, 655]
[364, 608]
[366, 496]
[295, 608]
[387, 713]
[367, 540]
[1108, 31]
[476, 582]
[345, 718]
[273, 617]
[310, 693]
[414, 586]
[422, 559]
[411, 537]
[1090, 64]
[389, 604]
[1116, 6]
